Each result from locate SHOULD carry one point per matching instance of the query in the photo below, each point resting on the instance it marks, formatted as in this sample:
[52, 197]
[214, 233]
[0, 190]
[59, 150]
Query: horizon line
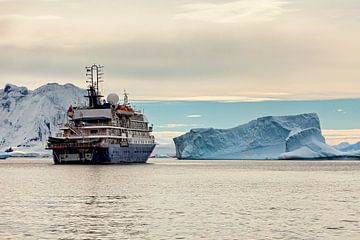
[210, 98]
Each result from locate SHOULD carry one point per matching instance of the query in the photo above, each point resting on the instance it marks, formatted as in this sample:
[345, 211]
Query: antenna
[126, 98]
[94, 75]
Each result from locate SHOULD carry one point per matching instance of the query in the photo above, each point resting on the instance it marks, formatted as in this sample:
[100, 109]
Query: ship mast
[94, 74]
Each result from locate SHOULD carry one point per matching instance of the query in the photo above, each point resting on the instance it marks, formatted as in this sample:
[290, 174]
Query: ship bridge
[92, 114]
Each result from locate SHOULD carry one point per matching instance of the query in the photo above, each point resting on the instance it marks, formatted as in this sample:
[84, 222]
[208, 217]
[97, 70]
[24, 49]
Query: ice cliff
[284, 137]
[309, 144]
[28, 118]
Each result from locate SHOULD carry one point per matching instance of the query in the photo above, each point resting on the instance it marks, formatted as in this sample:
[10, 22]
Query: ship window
[94, 131]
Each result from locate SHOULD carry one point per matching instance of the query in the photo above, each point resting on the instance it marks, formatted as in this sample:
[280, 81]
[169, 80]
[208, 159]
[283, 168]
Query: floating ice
[285, 137]
[28, 118]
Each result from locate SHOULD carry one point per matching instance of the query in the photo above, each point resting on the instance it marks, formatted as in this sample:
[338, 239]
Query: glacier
[29, 117]
[347, 147]
[273, 137]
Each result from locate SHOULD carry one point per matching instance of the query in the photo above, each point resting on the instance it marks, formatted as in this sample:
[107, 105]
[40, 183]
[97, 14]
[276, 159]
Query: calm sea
[170, 199]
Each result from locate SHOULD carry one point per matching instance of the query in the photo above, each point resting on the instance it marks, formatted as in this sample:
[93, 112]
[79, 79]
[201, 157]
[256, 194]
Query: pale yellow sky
[334, 137]
[245, 50]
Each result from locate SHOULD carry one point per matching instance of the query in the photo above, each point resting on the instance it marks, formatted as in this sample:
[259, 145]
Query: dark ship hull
[113, 154]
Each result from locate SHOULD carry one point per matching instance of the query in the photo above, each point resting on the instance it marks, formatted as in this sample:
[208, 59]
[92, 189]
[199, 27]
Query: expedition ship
[103, 131]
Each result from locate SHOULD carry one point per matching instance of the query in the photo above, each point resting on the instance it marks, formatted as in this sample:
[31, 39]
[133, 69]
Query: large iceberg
[309, 144]
[29, 117]
[282, 137]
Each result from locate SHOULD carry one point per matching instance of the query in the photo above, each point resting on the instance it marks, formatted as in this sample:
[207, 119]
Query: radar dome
[112, 98]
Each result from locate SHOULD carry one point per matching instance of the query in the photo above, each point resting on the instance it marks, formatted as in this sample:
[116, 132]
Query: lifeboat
[125, 110]
[70, 111]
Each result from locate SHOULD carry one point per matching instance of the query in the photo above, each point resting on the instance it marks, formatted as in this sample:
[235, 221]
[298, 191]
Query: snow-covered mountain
[28, 118]
[286, 137]
[342, 145]
[349, 147]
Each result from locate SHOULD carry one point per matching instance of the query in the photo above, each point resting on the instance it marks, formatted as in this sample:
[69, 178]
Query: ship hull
[113, 154]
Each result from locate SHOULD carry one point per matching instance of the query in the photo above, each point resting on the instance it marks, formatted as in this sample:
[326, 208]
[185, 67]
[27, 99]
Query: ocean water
[171, 199]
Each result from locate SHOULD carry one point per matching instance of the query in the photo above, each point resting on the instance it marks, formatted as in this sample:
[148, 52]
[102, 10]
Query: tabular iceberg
[309, 144]
[283, 137]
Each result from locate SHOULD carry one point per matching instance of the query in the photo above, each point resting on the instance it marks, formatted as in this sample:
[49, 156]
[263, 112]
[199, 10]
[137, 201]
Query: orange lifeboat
[125, 108]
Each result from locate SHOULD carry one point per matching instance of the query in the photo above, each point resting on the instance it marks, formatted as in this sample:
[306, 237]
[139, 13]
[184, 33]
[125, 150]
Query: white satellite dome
[112, 98]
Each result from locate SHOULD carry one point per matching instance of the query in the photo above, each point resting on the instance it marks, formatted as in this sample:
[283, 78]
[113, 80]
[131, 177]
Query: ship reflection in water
[171, 199]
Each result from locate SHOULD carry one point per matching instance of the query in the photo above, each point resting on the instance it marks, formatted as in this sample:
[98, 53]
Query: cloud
[303, 55]
[227, 98]
[165, 142]
[166, 136]
[222, 98]
[341, 111]
[29, 18]
[177, 125]
[194, 116]
[233, 12]
[334, 137]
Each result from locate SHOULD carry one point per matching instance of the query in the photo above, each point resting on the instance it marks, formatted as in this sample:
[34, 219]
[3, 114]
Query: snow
[342, 146]
[309, 144]
[28, 118]
[263, 138]
[350, 147]
[283, 137]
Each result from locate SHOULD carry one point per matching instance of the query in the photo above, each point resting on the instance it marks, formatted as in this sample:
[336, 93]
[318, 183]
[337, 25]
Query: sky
[240, 51]
[245, 50]
[338, 118]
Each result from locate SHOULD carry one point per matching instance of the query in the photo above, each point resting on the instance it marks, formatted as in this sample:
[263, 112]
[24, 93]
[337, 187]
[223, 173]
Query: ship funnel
[113, 99]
